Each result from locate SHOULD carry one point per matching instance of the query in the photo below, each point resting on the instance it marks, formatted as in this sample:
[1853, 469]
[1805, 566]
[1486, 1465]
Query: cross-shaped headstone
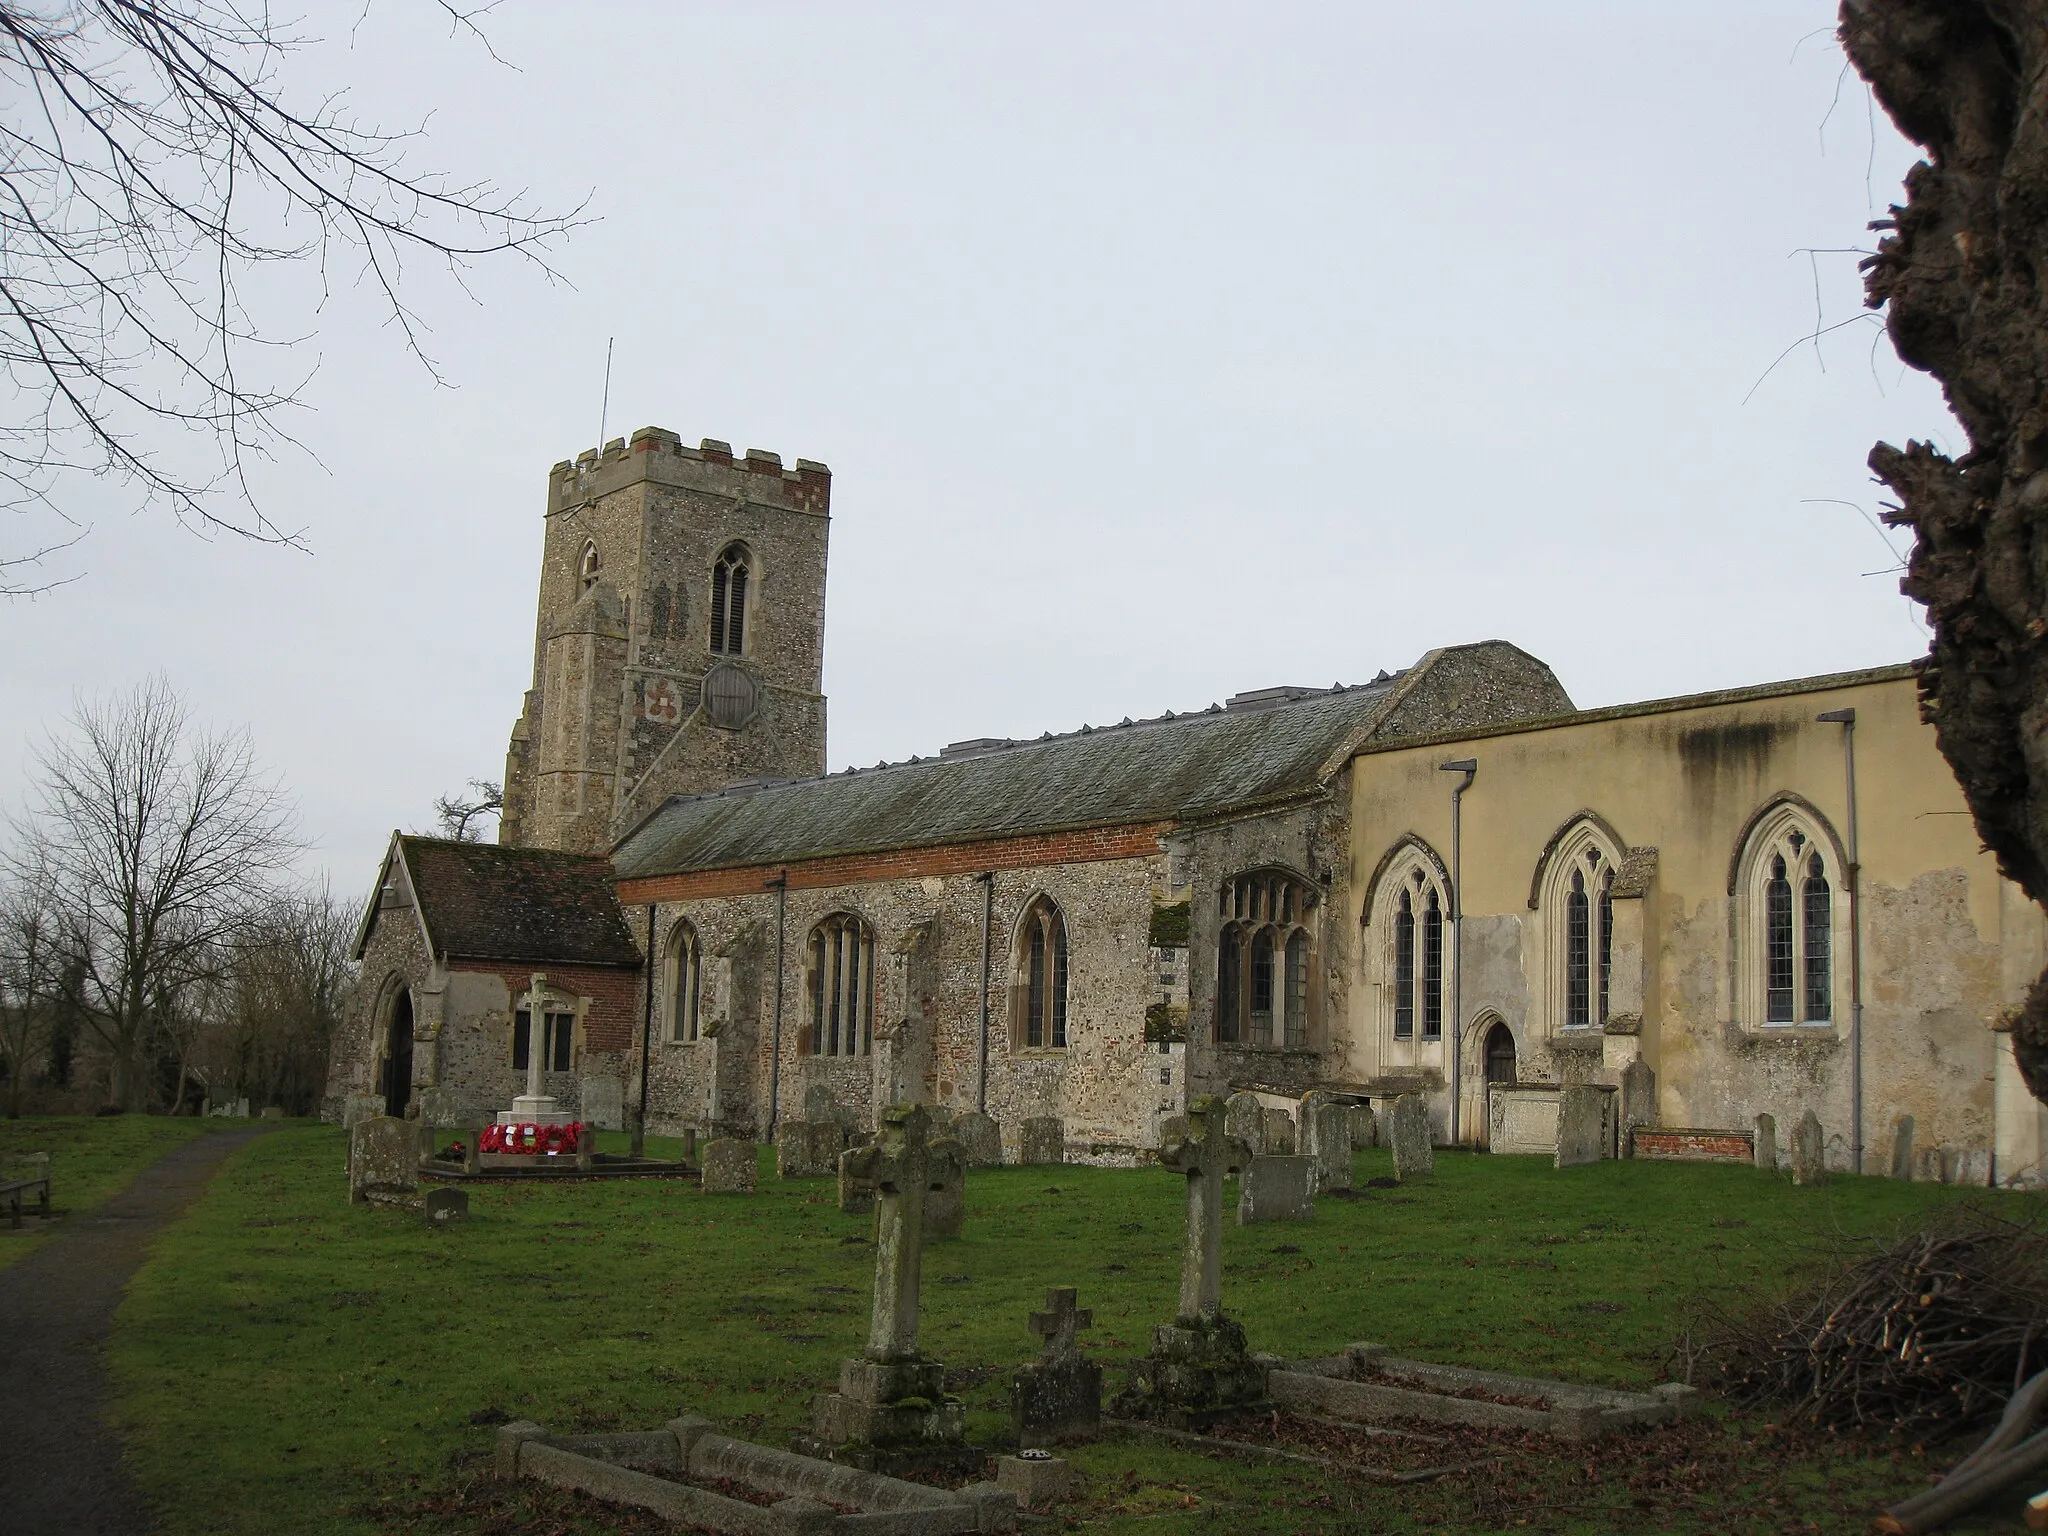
[536, 1013]
[1059, 1321]
[1205, 1152]
[900, 1165]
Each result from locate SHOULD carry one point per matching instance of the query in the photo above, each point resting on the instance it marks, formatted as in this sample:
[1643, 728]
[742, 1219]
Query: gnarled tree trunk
[1963, 269]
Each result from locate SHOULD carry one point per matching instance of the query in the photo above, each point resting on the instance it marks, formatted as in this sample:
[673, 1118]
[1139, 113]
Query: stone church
[1444, 880]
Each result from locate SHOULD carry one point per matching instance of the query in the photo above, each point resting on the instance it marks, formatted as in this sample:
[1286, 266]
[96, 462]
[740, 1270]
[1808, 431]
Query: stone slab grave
[1326, 1137]
[688, 1473]
[730, 1167]
[1691, 1144]
[1521, 1119]
[1058, 1396]
[1366, 1385]
[1278, 1134]
[1408, 1130]
[383, 1160]
[1809, 1151]
[1042, 1139]
[1585, 1124]
[1277, 1189]
[980, 1138]
[1200, 1368]
[1766, 1140]
[808, 1149]
[1365, 1130]
[892, 1411]
[945, 1196]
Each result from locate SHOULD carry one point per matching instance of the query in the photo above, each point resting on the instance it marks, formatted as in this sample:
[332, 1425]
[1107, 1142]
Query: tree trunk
[1963, 272]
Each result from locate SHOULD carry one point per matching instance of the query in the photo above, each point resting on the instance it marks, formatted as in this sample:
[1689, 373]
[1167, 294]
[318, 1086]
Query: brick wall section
[613, 1023]
[1039, 851]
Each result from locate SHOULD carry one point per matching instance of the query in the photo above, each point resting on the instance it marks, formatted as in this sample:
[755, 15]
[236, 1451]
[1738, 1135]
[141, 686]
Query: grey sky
[1159, 351]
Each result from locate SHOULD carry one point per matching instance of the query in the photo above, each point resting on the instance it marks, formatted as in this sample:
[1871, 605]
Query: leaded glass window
[1778, 961]
[1433, 969]
[1404, 968]
[1819, 924]
[1578, 955]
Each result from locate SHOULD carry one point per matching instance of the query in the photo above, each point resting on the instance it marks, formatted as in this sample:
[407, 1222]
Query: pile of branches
[1928, 1337]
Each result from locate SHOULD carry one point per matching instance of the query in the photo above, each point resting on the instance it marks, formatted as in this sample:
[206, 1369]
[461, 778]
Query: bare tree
[32, 975]
[1960, 276]
[459, 817]
[269, 1017]
[157, 842]
[150, 161]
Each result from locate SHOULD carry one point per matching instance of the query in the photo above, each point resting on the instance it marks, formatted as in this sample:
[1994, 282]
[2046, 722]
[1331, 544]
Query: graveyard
[287, 1360]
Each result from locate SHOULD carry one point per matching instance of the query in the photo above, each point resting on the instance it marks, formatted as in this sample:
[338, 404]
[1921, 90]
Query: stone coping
[1365, 1384]
[812, 1496]
[511, 1168]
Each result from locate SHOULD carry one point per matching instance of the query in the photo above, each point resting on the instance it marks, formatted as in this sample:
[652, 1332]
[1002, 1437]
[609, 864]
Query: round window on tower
[731, 697]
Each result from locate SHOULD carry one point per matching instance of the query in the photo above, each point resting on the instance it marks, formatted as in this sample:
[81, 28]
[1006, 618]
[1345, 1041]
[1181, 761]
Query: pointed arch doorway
[397, 1084]
[1498, 1051]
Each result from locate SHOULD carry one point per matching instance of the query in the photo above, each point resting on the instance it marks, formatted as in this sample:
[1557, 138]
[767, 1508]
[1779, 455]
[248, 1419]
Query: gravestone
[819, 1103]
[1927, 1166]
[980, 1138]
[945, 1198]
[891, 1406]
[1244, 1116]
[383, 1159]
[1767, 1143]
[473, 1150]
[272, 1112]
[1973, 1166]
[807, 1149]
[1408, 1131]
[1809, 1151]
[731, 1167]
[355, 1109]
[1638, 1099]
[1058, 1396]
[601, 1103]
[1326, 1131]
[445, 1205]
[438, 1107]
[636, 1128]
[1277, 1188]
[1042, 1139]
[1902, 1147]
[856, 1191]
[1279, 1133]
[1364, 1127]
[1581, 1124]
[1200, 1368]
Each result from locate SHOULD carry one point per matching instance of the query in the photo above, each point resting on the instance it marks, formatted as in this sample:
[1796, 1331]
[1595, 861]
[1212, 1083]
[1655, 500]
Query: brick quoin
[1136, 841]
[612, 1021]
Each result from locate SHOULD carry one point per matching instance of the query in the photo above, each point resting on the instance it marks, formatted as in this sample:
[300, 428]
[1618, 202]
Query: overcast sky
[1159, 351]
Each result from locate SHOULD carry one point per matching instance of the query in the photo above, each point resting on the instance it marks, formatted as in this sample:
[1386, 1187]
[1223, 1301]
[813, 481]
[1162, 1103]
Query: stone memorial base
[536, 1112]
[891, 1416]
[696, 1478]
[1196, 1374]
[1038, 1481]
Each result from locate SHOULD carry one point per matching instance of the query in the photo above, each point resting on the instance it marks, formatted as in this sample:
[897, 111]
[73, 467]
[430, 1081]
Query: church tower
[680, 643]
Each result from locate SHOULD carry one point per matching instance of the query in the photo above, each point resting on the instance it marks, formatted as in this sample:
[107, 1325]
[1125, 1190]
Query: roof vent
[975, 746]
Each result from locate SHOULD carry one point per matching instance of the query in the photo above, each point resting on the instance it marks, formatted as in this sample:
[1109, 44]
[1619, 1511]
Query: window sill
[1583, 1037]
[683, 1044]
[1038, 1052]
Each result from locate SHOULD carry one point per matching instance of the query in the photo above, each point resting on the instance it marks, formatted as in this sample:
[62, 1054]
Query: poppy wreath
[532, 1140]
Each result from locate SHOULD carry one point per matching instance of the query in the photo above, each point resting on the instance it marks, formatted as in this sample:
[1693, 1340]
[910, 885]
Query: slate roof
[484, 901]
[1168, 769]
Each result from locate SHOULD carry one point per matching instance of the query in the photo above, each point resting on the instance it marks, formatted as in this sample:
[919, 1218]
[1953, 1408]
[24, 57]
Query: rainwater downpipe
[647, 1022]
[1468, 766]
[988, 912]
[779, 884]
[1846, 719]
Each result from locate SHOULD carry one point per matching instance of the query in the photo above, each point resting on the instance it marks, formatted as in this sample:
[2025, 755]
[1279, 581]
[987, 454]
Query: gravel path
[61, 1472]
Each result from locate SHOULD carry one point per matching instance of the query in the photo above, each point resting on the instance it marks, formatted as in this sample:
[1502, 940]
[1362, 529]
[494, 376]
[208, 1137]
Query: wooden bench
[26, 1176]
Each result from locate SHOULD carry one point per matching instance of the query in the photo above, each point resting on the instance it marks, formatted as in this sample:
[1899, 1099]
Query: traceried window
[729, 581]
[1039, 1008]
[586, 568]
[557, 1049]
[683, 982]
[1265, 961]
[1785, 891]
[841, 969]
[1577, 899]
[1406, 916]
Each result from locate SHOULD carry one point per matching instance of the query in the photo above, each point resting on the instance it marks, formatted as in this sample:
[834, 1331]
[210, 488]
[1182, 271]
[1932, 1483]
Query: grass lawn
[92, 1158]
[285, 1362]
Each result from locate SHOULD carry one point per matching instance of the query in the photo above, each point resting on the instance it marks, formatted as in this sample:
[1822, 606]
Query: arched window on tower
[586, 568]
[1038, 1009]
[730, 578]
[842, 988]
[683, 980]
